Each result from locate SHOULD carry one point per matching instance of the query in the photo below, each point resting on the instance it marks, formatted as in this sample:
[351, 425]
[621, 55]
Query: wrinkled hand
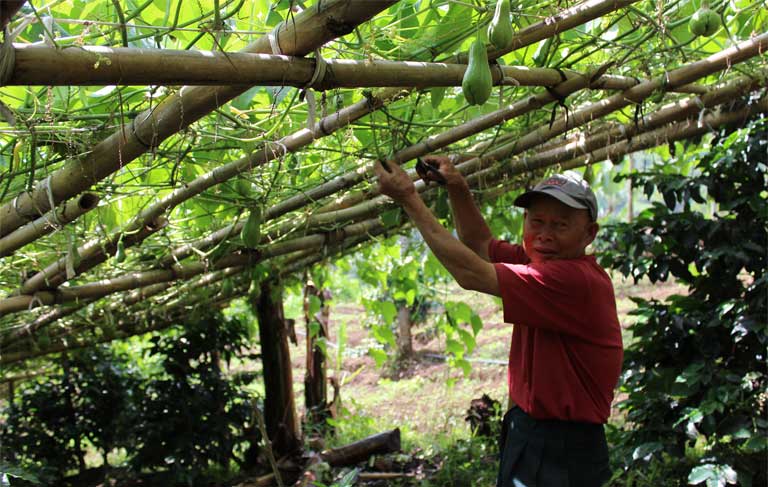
[394, 183]
[452, 176]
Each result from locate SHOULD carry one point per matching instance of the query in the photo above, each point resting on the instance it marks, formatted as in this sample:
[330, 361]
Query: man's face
[554, 230]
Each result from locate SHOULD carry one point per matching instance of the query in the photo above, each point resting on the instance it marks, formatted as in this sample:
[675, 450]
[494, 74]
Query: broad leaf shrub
[695, 373]
[55, 418]
[183, 423]
[191, 419]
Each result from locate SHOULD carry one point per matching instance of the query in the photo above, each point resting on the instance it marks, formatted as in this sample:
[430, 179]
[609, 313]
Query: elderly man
[566, 350]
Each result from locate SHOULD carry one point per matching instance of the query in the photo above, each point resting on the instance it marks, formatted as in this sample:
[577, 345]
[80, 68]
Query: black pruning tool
[424, 169]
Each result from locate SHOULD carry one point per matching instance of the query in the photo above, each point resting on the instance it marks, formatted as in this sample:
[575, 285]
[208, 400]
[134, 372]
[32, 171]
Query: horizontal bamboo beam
[564, 20]
[105, 287]
[91, 254]
[594, 111]
[674, 112]
[97, 65]
[664, 135]
[307, 30]
[360, 174]
[47, 223]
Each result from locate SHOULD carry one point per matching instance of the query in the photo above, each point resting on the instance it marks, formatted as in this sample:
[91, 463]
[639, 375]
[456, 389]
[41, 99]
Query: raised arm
[471, 227]
[469, 270]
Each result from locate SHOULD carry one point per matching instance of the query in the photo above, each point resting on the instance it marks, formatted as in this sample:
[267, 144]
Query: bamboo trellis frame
[570, 17]
[658, 128]
[309, 30]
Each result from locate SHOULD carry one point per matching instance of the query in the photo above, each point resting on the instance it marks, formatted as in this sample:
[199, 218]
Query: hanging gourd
[704, 22]
[500, 30]
[478, 81]
[120, 252]
[251, 232]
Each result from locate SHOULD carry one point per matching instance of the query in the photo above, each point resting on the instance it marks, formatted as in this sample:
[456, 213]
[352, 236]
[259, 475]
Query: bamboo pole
[597, 149]
[105, 287]
[307, 31]
[135, 280]
[562, 21]
[670, 113]
[160, 323]
[98, 65]
[567, 18]
[588, 113]
[47, 223]
[296, 141]
[663, 135]
[91, 254]
[133, 297]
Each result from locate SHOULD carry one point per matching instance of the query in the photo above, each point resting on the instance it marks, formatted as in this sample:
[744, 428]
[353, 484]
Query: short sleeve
[501, 251]
[550, 295]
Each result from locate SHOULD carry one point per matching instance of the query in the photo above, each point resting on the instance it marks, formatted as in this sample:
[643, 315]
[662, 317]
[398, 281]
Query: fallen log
[387, 442]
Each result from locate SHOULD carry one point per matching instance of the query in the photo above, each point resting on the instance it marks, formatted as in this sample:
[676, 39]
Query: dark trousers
[550, 453]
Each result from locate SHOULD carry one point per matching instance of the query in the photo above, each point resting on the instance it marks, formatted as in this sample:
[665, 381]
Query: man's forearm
[469, 269]
[470, 224]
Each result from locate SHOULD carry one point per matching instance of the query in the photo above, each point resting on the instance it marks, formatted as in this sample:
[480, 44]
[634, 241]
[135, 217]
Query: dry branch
[47, 223]
[307, 31]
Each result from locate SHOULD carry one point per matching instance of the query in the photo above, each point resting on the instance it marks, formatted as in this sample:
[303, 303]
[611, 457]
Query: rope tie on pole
[7, 57]
[317, 79]
[274, 39]
[49, 192]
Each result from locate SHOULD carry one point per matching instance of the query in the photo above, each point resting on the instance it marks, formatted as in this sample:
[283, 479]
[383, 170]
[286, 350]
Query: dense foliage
[182, 417]
[695, 372]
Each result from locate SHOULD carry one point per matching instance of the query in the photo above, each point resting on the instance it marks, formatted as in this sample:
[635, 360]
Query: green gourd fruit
[478, 81]
[500, 30]
[120, 252]
[704, 22]
[251, 232]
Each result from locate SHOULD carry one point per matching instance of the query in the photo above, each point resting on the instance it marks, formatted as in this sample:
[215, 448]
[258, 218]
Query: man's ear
[592, 229]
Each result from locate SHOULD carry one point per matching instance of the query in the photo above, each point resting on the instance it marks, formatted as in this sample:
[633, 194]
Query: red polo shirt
[566, 351]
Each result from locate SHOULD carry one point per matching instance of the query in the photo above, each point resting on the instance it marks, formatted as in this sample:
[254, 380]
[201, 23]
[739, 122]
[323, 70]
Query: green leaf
[391, 218]
[378, 355]
[701, 473]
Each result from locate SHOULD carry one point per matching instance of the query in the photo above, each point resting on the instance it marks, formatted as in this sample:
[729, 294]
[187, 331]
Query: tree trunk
[279, 404]
[404, 341]
[315, 380]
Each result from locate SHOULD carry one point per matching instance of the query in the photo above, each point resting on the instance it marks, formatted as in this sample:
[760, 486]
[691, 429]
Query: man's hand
[394, 182]
[452, 176]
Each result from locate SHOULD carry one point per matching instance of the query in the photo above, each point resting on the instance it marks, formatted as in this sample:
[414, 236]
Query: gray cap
[569, 188]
